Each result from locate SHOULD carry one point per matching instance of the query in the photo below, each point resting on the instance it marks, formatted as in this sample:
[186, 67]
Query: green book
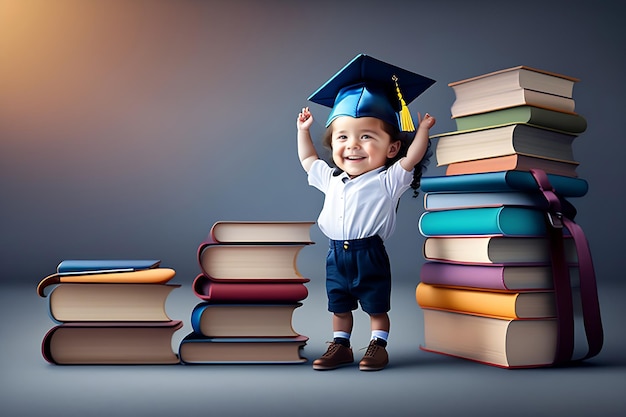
[551, 119]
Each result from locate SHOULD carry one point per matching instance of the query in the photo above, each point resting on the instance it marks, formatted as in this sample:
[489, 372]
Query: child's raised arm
[306, 149]
[418, 147]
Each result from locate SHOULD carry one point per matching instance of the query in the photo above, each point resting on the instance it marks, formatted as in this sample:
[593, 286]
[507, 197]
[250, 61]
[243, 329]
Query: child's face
[360, 145]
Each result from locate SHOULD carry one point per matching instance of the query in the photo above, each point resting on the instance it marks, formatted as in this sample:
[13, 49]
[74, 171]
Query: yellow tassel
[406, 121]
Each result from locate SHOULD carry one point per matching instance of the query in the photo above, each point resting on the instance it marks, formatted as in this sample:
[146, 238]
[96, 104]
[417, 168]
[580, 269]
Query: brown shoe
[337, 355]
[375, 358]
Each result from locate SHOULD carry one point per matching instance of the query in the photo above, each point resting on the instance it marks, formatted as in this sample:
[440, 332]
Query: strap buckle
[555, 219]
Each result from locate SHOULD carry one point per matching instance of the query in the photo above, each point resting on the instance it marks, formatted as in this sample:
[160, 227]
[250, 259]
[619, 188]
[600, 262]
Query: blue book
[83, 266]
[503, 181]
[506, 220]
[244, 320]
[198, 349]
[458, 200]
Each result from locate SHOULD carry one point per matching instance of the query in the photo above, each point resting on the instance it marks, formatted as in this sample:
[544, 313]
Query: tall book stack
[250, 287]
[486, 289]
[109, 312]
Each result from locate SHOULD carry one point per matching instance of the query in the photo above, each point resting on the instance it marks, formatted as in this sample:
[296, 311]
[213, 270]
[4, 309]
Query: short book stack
[109, 312]
[486, 289]
[250, 287]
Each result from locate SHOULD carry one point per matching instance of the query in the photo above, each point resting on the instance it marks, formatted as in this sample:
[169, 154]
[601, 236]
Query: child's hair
[405, 139]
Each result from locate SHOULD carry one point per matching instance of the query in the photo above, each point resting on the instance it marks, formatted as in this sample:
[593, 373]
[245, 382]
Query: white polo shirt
[361, 207]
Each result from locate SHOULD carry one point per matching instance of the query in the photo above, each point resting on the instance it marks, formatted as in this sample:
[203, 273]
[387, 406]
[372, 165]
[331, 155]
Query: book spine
[249, 292]
[450, 201]
[196, 315]
[503, 181]
[565, 122]
[476, 276]
[509, 221]
[472, 301]
[72, 266]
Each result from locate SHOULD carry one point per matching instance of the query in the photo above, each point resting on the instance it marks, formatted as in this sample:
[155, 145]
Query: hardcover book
[197, 349]
[514, 78]
[146, 276]
[434, 201]
[244, 320]
[509, 250]
[505, 343]
[111, 343]
[515, 162]
[511, 98]
[490, 142]
[513, 87]
[507, 220]
[503, 181]
[95, 302]
[496, 277]
[262, 232]
[535, 116]
[249, 292]
[103, 265]
[510, 305]
[223, 262]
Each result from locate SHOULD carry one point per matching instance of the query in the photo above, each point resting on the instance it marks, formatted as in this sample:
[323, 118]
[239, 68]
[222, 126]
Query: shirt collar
[345, 178]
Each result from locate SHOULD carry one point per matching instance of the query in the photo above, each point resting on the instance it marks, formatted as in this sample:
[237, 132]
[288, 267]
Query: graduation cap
[368, 87]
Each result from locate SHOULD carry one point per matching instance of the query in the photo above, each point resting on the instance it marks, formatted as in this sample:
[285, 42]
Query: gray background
[127, 128]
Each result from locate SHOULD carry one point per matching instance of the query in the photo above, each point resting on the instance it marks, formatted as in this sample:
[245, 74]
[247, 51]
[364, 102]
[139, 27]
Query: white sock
[344, 335]
[380, 334]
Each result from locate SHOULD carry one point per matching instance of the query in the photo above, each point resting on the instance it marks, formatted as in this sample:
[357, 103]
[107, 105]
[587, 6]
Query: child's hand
[427, 122]
[305, 119]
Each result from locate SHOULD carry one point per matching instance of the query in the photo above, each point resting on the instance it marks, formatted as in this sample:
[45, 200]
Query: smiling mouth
[354, 158]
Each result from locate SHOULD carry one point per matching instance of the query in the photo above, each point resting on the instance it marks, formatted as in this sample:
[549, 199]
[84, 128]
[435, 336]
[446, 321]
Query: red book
[249, 292]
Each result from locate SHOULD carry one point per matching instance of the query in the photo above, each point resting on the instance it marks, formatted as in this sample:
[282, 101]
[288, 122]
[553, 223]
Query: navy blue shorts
[358, 271]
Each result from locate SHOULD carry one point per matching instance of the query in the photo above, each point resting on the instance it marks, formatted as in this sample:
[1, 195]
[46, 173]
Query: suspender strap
[560, 272]
[562, 286]
[588, 290]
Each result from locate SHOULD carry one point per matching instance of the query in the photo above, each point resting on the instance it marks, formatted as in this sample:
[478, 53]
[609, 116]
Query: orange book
[145, 276]
[513, 305]
[515, 162]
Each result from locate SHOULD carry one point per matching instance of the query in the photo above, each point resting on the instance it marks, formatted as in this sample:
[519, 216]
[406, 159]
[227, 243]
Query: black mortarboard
[369, 87]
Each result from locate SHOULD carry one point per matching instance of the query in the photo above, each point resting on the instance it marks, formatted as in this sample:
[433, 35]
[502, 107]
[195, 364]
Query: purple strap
[562, 286]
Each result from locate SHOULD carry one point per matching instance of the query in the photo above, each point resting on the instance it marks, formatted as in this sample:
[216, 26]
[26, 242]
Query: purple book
[492, 277]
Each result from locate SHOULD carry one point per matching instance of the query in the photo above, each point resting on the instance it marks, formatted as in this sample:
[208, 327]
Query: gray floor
[415, 383]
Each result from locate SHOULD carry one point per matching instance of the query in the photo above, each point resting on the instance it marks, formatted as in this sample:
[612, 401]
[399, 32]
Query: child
[373, 169]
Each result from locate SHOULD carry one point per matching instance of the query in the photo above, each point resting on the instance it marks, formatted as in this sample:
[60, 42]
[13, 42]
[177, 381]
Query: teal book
[506, 220]
[71, 266]
[503, 181]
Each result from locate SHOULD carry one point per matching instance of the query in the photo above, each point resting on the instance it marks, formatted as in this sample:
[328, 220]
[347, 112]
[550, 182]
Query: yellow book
[514, 305]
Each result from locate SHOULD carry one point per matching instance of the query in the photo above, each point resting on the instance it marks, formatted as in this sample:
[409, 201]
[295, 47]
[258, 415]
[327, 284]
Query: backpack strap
[556, 221]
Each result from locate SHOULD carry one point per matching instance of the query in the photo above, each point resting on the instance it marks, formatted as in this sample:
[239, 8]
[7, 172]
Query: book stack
[486, 289]
[515, 119]
[250, 287]
[109, 312]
